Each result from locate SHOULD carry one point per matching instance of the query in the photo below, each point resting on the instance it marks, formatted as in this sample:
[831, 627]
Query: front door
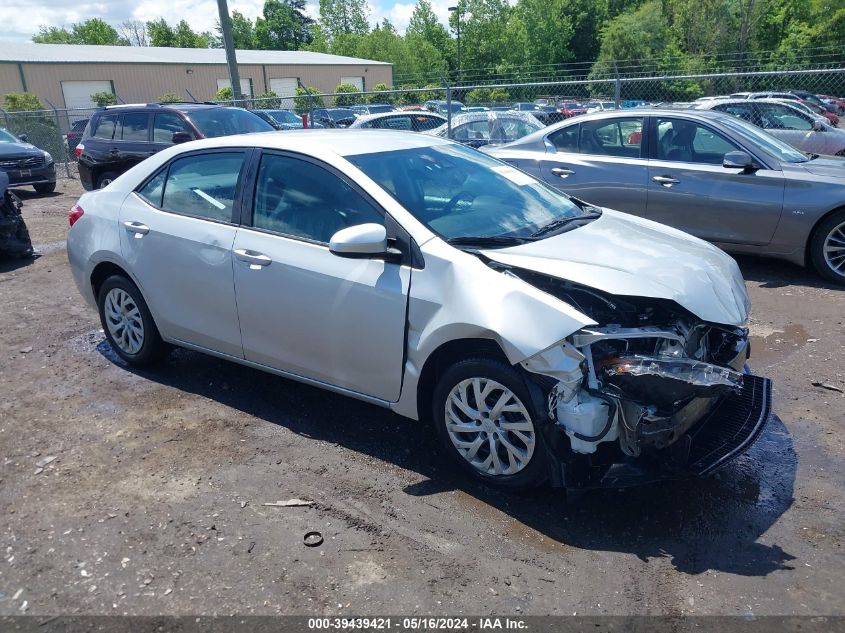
[304, 310]
[688, 187]
[600, 162]
[176, 234]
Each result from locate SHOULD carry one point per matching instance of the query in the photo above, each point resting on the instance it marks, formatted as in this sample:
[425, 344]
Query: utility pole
[457, 10]
[229, 45]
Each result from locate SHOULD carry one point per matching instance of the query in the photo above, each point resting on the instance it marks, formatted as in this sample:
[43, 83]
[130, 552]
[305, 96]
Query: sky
[20, 19]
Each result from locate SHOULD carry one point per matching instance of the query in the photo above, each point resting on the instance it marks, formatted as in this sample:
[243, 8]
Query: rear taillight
[78, 150]
[75, 213]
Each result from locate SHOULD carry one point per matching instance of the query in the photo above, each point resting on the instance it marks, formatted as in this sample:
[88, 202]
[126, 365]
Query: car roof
[344, 142]
[406, 113]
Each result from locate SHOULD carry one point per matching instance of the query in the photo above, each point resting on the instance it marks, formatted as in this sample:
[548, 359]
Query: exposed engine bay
[643, 378]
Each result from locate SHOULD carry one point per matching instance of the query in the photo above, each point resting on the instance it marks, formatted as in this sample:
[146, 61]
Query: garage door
[78, 93]
[358, 82]
[284, 87]
[246, 86]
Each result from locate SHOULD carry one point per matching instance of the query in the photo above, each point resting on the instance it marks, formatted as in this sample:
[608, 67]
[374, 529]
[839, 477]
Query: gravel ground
[144, 493]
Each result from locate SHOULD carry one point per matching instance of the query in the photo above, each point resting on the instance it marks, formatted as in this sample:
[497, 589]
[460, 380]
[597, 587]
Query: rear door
[601, 161]
[688, 187]
[132, 139]
[177, 232]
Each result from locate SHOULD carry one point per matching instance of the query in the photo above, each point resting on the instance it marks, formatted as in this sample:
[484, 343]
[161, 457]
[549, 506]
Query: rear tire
[827, 248]
[486, 421]
[45, 187]
[128, 324]
[105, 179]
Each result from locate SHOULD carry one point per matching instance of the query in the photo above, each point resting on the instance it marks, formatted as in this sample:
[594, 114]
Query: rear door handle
[140, 230]
[666, 181]
[255, 260]
[563, 173]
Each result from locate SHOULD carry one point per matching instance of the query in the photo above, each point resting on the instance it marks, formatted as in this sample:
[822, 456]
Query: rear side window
[134, 127]
[617, 137]
[152, 191]
[203, 185]
[106, 125]
[566, 139]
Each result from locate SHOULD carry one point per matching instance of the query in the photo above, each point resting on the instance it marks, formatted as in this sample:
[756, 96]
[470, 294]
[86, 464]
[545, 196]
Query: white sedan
[546, 339]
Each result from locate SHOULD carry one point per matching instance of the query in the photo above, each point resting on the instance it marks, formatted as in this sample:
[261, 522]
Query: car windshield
[227, 121]
[757, 137]
[459, 192]
[338, 115]
[7, 137]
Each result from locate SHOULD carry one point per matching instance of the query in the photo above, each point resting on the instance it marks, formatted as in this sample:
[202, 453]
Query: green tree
[103, 99]
[343, 17]
[284, 26]
[21, 102]
[343, 98]
[484, 36]
[243, 31]
[185, 37]
[161, 33]
[93, 31]
[540, 33]
[425, 25]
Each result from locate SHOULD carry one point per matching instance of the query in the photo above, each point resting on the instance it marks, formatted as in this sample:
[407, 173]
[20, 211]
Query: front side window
[166, 125]
[685, 141]
[105, 127]
[461, 193]
[134, 126]
[616, 137]
[203, 185]
[775, 116]
[298, 198]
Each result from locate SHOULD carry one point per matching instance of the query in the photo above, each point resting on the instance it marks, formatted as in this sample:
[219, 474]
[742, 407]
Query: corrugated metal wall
[138, 83]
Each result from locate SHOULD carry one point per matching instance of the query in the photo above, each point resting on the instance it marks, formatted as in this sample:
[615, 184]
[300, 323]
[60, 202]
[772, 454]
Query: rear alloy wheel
[827, 249]
[105, 179]
[485, 420]
[128, 324]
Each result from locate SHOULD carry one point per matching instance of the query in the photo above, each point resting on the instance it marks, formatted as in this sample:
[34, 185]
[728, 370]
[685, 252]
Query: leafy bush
[103, 99]
[342, 100]
[21, 101]
[487, 96]
[377, 98]
[224, 94]
[267, 101]
[300, 101]
[169, 97]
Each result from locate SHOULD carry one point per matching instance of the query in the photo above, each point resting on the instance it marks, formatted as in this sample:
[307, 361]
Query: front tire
[487, 423]
[827, 248]
[128, 324]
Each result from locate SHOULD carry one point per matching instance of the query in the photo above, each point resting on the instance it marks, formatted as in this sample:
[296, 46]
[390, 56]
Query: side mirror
[739, 160]
[818, 126]
[24, 138]
[182, 137]
[363, 241]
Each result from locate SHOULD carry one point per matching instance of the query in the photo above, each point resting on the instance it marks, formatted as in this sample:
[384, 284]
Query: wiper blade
[561, 223]
[488, 240]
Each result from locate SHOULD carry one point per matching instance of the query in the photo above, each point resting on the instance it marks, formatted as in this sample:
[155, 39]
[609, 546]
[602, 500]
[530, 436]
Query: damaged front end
[652, 385]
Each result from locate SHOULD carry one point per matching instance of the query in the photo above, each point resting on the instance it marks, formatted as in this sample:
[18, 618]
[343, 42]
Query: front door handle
[666, 181]
[563, 173]
[255, 260]
[140, 230]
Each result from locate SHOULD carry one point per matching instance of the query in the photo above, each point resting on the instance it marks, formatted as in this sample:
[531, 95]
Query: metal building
[65, 76]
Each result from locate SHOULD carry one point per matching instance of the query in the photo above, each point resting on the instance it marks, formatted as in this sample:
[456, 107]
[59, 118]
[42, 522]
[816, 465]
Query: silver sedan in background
[479, 129]
[707, 173]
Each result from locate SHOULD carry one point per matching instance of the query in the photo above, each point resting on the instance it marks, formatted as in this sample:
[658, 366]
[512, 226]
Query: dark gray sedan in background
[706, 173]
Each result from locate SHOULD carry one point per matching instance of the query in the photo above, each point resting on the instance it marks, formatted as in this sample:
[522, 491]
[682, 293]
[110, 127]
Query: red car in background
[830, 116]
[570, 109]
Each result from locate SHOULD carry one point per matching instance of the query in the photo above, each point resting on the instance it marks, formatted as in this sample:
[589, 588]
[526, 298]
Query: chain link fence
[59, 131]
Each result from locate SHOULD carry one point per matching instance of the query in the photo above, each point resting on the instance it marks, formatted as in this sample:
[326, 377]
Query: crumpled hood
[824, 166]
[626, 255]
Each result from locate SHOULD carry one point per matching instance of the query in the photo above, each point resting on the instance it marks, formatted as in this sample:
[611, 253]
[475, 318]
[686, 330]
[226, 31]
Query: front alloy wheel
[827, 249]
[484, 415]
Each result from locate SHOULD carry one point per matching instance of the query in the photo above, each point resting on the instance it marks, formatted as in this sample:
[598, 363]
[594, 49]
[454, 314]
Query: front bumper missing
[725, 433]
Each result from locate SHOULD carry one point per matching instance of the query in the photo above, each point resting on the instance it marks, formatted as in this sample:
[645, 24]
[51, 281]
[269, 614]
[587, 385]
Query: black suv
[119, 137]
